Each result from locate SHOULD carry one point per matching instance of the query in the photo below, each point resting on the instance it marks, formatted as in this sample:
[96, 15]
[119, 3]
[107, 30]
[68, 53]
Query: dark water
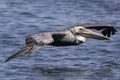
[93, 60]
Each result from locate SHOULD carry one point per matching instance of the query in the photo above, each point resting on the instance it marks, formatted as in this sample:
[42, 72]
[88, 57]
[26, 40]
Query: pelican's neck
[73, 31]
[77, 36]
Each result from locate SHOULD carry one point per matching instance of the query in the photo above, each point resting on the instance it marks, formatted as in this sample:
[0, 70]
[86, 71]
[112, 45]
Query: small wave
[27, 14]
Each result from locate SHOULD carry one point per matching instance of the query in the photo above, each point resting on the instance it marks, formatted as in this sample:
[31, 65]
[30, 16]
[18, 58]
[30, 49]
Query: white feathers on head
[77, 29]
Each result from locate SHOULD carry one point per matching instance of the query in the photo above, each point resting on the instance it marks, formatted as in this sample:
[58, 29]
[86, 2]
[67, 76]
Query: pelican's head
[86, 33]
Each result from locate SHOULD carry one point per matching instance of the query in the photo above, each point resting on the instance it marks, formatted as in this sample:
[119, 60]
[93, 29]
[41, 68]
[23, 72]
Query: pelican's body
[73, 36]
[58, 38]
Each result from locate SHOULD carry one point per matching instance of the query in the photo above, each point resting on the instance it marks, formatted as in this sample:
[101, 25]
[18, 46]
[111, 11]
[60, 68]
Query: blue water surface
[93, 60]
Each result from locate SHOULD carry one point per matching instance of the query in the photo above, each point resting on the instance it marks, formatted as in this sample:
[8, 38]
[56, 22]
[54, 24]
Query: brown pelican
[72, 36]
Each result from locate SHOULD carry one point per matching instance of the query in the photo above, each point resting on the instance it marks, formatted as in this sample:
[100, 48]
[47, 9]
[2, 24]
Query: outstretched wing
[106, 29]
[32, 44]
[23, 51]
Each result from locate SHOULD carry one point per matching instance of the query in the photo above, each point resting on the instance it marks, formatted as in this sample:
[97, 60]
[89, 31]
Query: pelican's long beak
[90, 34]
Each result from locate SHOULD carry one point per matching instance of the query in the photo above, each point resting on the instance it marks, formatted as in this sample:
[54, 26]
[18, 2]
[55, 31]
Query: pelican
[69, 37]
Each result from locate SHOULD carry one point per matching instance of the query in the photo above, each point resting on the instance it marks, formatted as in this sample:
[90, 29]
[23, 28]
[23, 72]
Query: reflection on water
[93, 60]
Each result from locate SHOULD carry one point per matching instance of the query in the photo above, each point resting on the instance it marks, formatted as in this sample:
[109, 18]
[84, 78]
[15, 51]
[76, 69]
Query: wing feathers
[23, 51]
[33, 43]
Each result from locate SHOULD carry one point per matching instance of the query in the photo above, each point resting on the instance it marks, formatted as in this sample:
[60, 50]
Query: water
[93, 60]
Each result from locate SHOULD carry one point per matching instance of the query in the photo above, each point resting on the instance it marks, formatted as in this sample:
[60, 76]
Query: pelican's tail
[24, 51]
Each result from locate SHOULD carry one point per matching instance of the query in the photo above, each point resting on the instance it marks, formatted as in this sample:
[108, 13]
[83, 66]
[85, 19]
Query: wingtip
[6, 60]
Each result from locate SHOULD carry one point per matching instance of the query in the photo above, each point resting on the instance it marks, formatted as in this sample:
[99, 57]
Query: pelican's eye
[81, 29]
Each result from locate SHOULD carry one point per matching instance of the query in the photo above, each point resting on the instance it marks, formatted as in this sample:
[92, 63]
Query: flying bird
[73, 36]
